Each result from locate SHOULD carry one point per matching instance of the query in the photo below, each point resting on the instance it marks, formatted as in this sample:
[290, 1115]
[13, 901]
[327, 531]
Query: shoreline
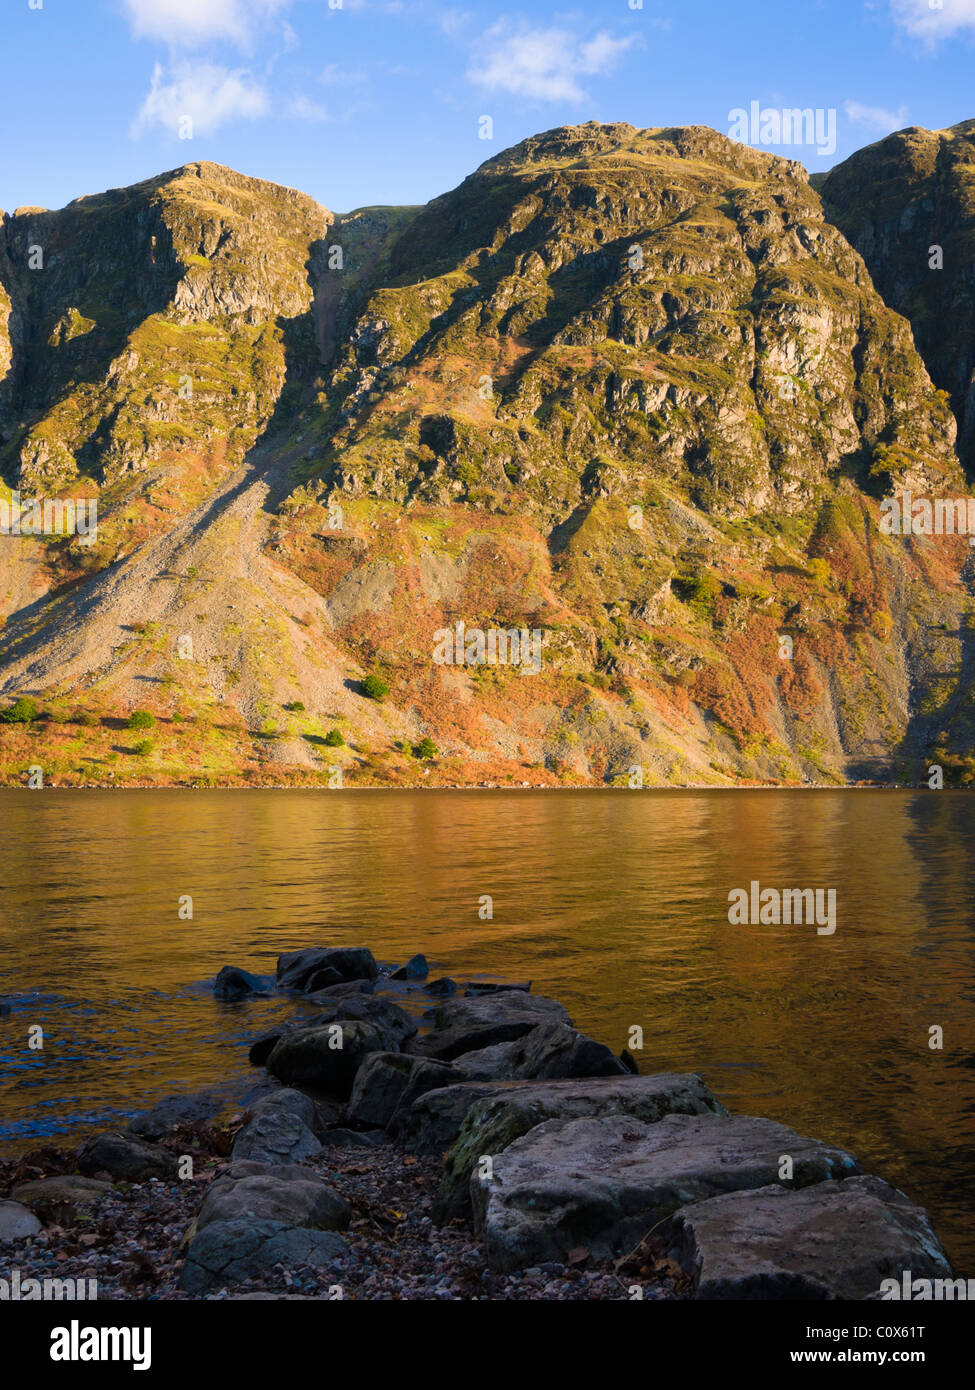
[367, 1140]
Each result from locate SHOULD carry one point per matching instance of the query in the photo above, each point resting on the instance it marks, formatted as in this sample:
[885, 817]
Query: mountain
[908, 206]
[629, 390]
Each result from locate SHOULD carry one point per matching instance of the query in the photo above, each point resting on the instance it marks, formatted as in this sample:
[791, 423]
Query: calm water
[615, 902]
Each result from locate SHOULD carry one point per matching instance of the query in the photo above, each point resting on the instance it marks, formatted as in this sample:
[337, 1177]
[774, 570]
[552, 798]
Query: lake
[615, 902]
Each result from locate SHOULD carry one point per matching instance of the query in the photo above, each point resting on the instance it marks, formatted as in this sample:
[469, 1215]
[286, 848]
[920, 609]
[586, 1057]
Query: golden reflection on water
[615, 902]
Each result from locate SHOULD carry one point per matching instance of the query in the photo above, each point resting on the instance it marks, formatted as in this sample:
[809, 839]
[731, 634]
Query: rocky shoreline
[417, 1138]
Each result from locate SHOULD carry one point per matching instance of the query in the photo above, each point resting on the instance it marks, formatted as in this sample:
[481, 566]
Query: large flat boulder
[326, 1058]
[831, 1240]
[464, 1025]
[434, 1121]
[287, 1193]
[318, 967]
[495, 1120]
[604, 1182]
[387, 1084]
[58, 1198]
[226, 1253]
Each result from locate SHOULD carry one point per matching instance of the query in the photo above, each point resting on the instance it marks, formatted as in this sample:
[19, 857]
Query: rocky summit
[572, 476]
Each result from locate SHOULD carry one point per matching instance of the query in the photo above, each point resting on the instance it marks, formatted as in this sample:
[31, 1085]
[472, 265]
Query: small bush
[88, 720]
[141, 719]
[334, 739]
[295, 707]
[426, 748]
[22, 711]
[375, 687]
[144, 747]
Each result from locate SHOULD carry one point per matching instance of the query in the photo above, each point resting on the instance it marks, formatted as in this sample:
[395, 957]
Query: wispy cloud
[302, 108]
[187, 23]
[919, 17]
[542, 64]
[876, 117]
[206, 93]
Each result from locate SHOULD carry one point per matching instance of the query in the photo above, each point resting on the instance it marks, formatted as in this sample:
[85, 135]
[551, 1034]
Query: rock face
[603, 1183]
[907, 204]
[227, 1252]
[833, 1240]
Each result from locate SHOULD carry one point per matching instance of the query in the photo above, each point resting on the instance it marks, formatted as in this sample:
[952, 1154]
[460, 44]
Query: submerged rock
[300, 970]
[832, 1240]
[416, 968]
[603, 1182]
[232, 983]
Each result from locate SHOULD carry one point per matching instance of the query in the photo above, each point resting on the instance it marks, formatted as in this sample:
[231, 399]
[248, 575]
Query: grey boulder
[300, 970]
[465, 1025]
[832, 1240]
[281, 1129]
[233, 983]
[126, 1157]
[283, 1192]
[389, 1082]
[228, 1252]
[17, 1222]
[552, 1050]
[326, 1058]
[604, 1182]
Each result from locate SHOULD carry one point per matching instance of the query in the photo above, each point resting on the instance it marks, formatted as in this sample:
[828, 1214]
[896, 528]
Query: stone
[434, 1121]
[352, 1139]
[495, 1120]
[286, 1193]
[327, 1058]
[442, 986]
[281, 1129]
[388, 1082]
[167, 1114]
[552, 1050]
[464, 1025]
[56, 1198]
[343, 990]
[603, 1182]
[831, 1240]
[225, 1253]
[296, 969]
[17, 1222]
[265, 1043]
[126, 1158]
[416, 968]
[232, 983]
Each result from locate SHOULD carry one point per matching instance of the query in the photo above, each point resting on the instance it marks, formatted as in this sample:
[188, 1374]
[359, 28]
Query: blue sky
[380, 101]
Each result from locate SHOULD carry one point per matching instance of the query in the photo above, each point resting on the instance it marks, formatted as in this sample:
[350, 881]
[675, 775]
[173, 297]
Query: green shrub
[334, 739]
[426, 748]
[144, 747]
[22, 711]
[375, 687]
[295, 707]
[141, 719]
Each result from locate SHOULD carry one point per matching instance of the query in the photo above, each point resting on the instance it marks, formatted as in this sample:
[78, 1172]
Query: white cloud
[190, 22]
[302, 108]
[208, 94]
[542, 64]
[876, 117]
[920, 18]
